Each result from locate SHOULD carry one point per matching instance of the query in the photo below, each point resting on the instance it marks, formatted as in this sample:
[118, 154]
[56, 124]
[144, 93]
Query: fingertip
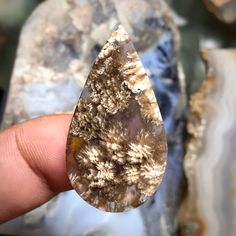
[42, 143]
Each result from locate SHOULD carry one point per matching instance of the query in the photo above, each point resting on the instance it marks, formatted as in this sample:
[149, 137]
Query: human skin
[32, 164]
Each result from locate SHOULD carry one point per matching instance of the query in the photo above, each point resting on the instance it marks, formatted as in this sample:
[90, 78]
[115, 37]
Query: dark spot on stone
[173, 86]
[155, 23]
[2, 98]
[164, 103]
[152, 202]
[53, 55]
[166, 57]
[95, 51]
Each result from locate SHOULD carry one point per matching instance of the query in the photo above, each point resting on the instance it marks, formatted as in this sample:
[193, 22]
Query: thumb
[32, 164]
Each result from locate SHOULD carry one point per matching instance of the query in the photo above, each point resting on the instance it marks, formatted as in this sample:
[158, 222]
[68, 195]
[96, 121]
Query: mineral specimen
[116, 153]
[210, 164]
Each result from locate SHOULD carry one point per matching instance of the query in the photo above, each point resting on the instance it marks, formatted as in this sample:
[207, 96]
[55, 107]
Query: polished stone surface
[210, 164]
[116, 153]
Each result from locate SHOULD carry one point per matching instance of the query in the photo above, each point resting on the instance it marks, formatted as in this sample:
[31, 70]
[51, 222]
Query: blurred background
[13, 14]
[201, 24]
[198, 26]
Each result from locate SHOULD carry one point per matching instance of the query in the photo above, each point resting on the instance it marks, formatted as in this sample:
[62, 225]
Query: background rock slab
[209, 208]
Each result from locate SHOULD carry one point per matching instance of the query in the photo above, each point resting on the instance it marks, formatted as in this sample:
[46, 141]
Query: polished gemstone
[116, 148]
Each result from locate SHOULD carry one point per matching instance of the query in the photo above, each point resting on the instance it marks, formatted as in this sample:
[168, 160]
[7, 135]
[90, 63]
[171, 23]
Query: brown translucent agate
[116, 148]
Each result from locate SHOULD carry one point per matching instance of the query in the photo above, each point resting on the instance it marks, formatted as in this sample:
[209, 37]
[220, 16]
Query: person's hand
[32, 164]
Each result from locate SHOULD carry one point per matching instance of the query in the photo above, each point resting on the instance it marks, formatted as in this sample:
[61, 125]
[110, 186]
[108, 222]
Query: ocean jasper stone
[116, 148]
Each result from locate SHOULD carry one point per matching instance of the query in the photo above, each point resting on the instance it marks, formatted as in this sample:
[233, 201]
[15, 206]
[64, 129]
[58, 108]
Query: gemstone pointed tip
[120, 34]
[121, 30]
